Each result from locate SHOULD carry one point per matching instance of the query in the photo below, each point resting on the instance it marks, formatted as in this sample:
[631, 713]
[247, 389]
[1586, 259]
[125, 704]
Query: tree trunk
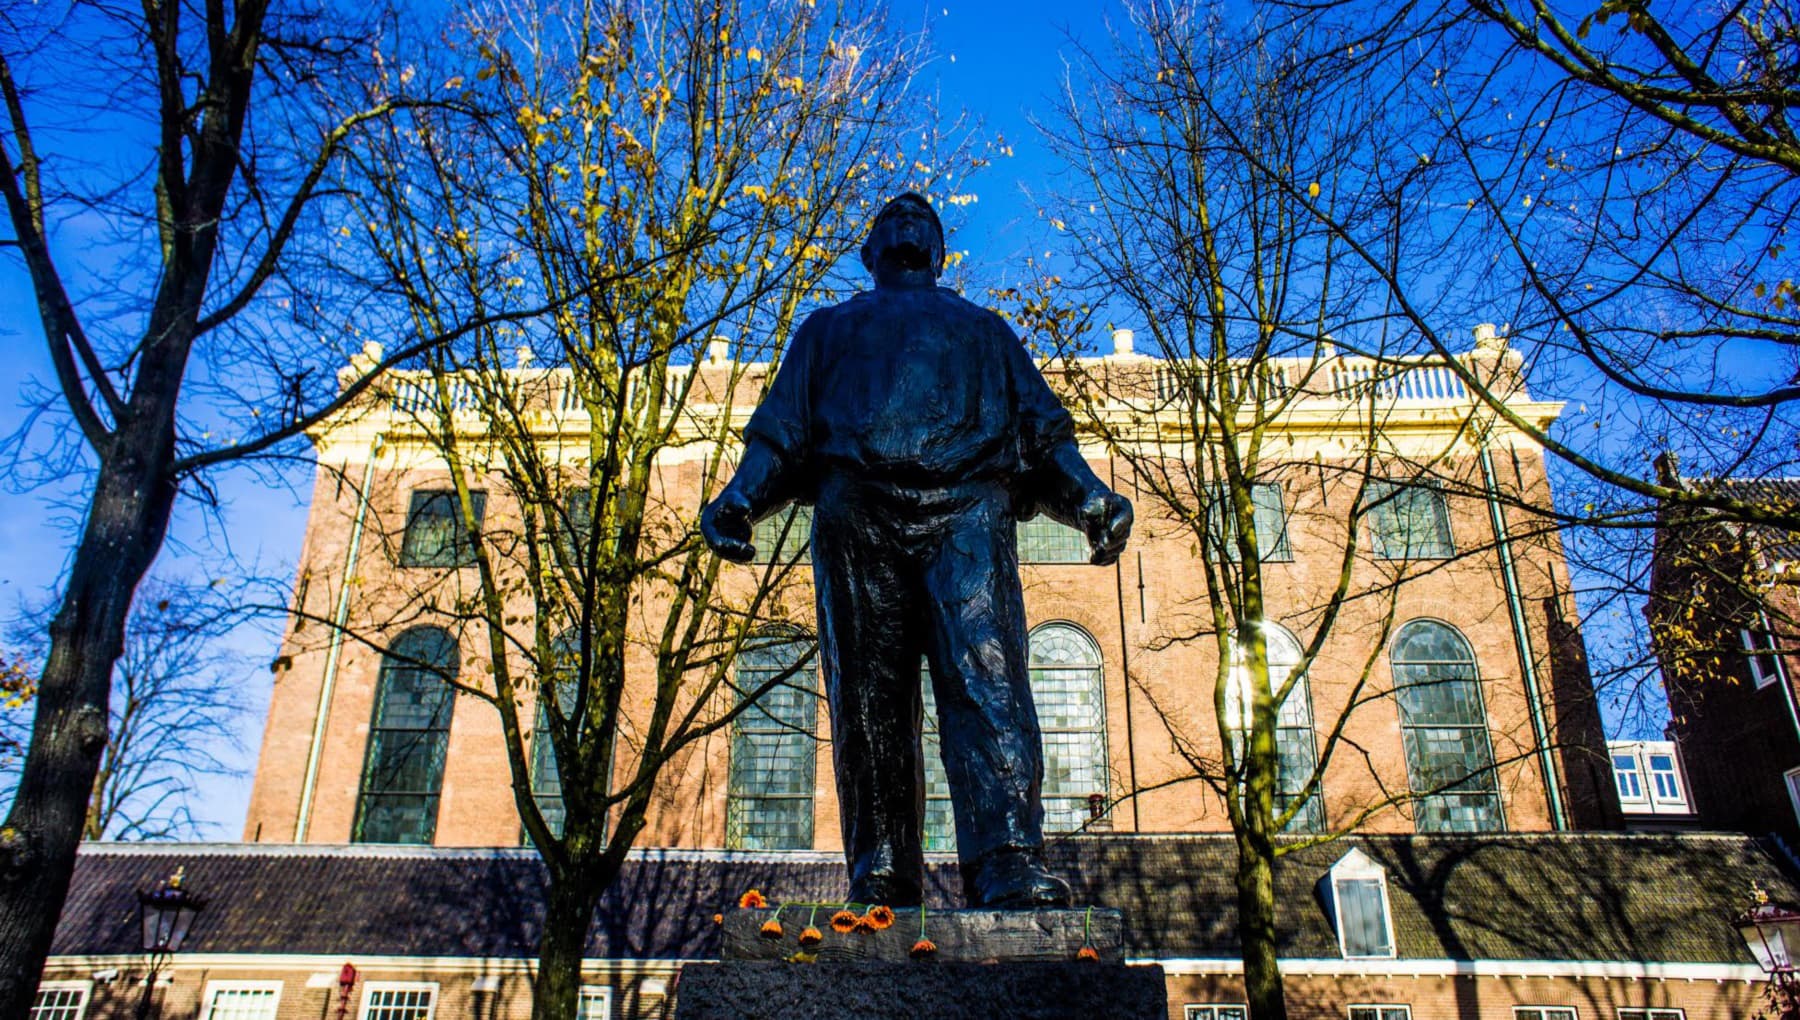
[126, 522]
[568, 913]
[1256, 927]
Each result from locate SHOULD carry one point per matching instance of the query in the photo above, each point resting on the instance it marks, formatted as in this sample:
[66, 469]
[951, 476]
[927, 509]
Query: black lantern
[1771, 931]
[167, 913]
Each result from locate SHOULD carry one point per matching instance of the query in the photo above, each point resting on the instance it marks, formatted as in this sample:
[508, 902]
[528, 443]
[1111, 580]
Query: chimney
[1489, 337]
[718, 349]
[1123, 343]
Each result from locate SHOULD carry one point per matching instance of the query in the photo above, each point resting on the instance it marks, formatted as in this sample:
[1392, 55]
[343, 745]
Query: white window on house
[60, 1000]
[1383, 1012]
[1067, 685]
[1793, 787]
[1544, 1013]
[397, 1000]
[1046, 540]
[1198, 1011]
[1760, 654]
[1647, 776]
[241, 1000]
[1628, 780]
[596, 1003]
[1296, 747]
[1356, 892]
[774, 748]
[1652, 1014]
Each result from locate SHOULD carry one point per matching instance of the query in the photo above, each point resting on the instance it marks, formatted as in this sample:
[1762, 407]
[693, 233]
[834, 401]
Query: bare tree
[669, 177]
[1278, 398]
[175, 698]
[200, 335]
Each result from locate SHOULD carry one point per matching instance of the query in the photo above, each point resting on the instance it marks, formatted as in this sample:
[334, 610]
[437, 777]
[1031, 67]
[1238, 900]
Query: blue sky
[1001, 61]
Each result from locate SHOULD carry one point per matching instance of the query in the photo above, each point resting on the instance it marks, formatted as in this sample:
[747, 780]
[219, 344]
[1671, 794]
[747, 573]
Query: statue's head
[907, 238]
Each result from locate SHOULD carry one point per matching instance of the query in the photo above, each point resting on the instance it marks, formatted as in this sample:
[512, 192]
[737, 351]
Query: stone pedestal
[987, 963]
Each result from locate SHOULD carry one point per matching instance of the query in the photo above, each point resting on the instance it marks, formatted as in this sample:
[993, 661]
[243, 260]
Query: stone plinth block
[961, 936]
[930, 990]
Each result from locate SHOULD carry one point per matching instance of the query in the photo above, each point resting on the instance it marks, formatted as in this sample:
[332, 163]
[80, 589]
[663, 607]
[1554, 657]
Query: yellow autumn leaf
[1312, 190]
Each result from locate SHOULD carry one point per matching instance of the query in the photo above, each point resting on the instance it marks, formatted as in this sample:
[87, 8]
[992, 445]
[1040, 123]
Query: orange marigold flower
[718, 918]
[771, 930]
[922, 948]
[1088, 954]
[811, 936]
[880, 918]
[864, 925]
[752, 900]
[843, 922]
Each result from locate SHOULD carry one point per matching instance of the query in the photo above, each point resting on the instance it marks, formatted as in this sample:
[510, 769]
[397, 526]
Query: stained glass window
[1271, 522]
[1066, 683]
[435, 536]
[784, 537]
[1045, 540]
[773, 749]
[564, 676]
[410, 732]
[1448, 758]
[1295, 744]
[1408, 522]
[940, 821]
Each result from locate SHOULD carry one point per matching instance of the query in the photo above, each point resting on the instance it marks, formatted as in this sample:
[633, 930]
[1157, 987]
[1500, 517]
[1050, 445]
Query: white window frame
[86, 988]
[602, 992]
[1649, 801]
[1651, 1013]
[1792, 776]
[1360, 867]
[371, 987]
[1210, 1010]
[1760, 653]
[1382, 1010]
[213, 988]
[1544, 1013]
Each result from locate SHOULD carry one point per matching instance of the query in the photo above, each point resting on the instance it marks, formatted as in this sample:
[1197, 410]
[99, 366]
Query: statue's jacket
[905, 393]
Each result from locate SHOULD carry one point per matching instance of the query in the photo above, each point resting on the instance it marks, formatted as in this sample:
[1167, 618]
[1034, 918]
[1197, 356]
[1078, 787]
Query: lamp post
[1771, 931]
[166, 913]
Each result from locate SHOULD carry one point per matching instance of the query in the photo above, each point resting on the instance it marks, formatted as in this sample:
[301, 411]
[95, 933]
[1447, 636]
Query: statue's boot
[1015, 879]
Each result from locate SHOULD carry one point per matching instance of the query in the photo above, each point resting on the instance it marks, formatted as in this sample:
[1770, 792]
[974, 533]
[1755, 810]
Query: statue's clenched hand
[725, 524]
[1106, 518]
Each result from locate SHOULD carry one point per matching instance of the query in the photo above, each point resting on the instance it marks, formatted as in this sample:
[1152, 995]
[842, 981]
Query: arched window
[773, 749]
[1295, 743]
[404, 770]
[940, 820]
[1449, 760]
[562, 677]
[1066, 683]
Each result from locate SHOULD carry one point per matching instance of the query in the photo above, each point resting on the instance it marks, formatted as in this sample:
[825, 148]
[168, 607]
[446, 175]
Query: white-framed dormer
[399, 1000]
[1760, 653]
[1357, 897]
[1647, 776]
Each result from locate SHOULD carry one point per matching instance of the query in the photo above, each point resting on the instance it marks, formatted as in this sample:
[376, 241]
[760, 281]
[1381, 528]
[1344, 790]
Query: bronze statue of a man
[920, 430]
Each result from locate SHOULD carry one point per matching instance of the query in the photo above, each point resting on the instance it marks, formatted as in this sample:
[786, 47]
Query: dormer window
[1356, 895]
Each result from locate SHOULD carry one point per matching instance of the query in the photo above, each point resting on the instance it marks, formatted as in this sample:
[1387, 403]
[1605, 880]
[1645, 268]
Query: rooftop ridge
[396, 852]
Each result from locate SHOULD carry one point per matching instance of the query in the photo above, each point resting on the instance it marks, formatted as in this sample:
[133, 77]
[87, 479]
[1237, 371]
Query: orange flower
[718, 918]
[864, 925]
[811, 936]
[922, 948]
[1088, 954]
[880, 918]
[771, 930]
[843, 922]
[752, 900]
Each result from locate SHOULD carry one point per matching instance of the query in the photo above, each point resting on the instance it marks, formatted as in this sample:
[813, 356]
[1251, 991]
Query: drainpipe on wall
[339, 617]
[1521, 639]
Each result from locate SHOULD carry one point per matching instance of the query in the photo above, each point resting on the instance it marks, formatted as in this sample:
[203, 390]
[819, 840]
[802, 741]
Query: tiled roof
[1664, 898]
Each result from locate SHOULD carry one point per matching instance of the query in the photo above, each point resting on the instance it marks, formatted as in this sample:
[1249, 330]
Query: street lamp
[166, 914]
[1772, 934]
